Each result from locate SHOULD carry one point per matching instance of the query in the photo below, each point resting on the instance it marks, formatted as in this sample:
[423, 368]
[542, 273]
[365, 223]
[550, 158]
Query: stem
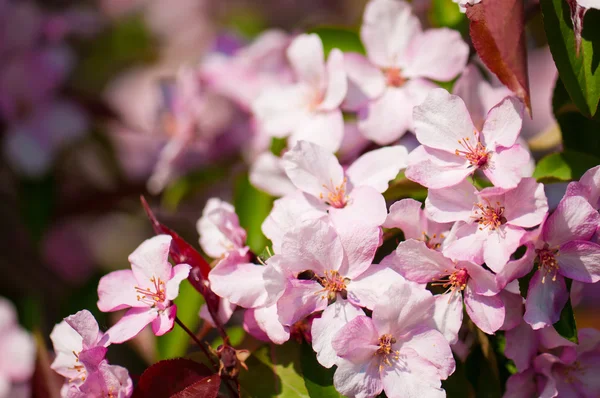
[198, 342]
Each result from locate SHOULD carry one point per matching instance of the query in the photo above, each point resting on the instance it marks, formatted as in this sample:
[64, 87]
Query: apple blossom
[492, 221]
[105, 381]
[219, 229]
[309, 109]
[407, 215]
[17, 361]
[417, 262]
[588, 187]
[452, 147]
[384, 87]
[80, 347]
[147, 290]
[397, 350]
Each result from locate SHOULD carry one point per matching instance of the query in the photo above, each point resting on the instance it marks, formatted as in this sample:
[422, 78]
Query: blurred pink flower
[219, 230]
[309, 109]
[385, 87]
[18, 348]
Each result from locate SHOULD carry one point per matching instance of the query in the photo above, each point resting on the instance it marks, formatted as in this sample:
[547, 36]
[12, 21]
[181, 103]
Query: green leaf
[274, 371]
[579, 133]
[344, 39]
[236, 336]
[175, 343]
[446, 13]
[566, 325]
[252, 207]
[565, 166]
[580, 74]
[318, 380]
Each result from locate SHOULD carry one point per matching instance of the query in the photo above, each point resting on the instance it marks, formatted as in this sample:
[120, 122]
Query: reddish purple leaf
[497, 30]
[206, 388]
[171, 377]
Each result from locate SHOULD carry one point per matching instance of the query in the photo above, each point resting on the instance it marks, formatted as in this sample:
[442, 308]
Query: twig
[198, 342]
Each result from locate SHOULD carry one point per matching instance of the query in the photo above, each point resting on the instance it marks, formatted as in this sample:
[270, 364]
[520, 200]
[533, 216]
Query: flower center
[332, 282]
[489, 216]
[456, 281]
[567, 372]
[547, 262]
[153, 296]
[393, 77]
[385, 351]
[336, 197]
[434, 241]
[476, 154]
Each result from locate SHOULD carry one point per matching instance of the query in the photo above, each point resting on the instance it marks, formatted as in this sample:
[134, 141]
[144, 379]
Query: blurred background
[89, 96]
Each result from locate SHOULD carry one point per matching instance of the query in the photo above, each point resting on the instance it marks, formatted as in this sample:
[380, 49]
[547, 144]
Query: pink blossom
[105, 381]
[147, 290]
[384, 87]
[354, 193]
[570, 372]
[324, 268]
[417, 262]
[407, 215]
[588, 187]
[80, 347]
[18, 351]
[243, 75]
[562, 250]
[267, 174]
[397, 350]
[492, 221]
[454, 148]
[219, 229]
[309, 109]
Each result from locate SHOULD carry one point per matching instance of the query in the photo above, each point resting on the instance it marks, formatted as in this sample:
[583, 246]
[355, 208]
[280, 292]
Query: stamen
[547, 262]
[489, 216]
[385, 350]
[332, 283]
[454, 282]
[476, 154]
[393, 77]
[152, 297]
[337, 197]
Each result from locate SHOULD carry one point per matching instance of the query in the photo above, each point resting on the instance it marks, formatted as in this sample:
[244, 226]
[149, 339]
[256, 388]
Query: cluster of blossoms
[386, 325]
[36, 60]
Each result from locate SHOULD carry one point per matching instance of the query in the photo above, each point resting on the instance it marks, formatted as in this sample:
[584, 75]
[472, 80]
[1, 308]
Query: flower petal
[180, 272]
[500, 245]
[268, 320]
[165, 320]
[376, 168]
[545, 300]
[305, 54]
[580, 261]
[324, 329]
[573, 219]
[437, 54]
[431, 345]
[386, 118]
[451, 204]
[505, 166]
[365, 81]
[387, 30]
[407, 215]
[503, 124]
[84, 323]
[442, 120]
[117, 290]
[448, 315]
[267, 173]
[365, 290]
[131, 324]
[300, 299]
[322, 128]
[337, 84]
[240, 282]
[521, 346]
[526, 205]
[151, 260]
[359, 380]
[487, 312]
[416, 262]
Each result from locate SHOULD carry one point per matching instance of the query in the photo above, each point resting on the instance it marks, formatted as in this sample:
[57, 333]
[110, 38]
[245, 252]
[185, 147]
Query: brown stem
[198, 342]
